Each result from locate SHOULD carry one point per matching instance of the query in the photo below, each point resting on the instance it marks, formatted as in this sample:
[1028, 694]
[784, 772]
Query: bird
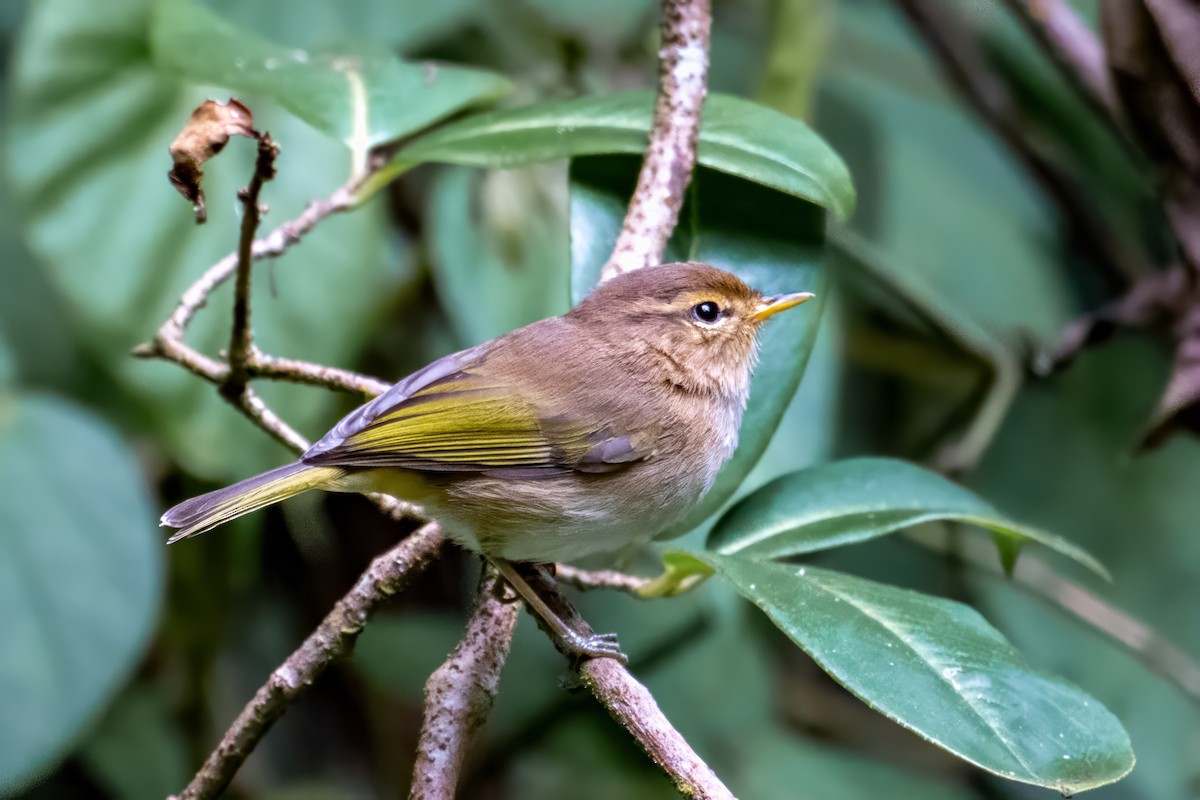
[577, 434]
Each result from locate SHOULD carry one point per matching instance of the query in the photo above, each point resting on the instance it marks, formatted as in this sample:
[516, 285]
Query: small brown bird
[573, 435]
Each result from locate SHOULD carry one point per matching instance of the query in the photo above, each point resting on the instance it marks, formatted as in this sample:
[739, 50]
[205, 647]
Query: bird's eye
[707, 311]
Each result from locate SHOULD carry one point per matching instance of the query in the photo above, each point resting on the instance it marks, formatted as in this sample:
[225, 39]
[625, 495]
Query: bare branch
[261, 365]
[332, 639]
[671, 154]
[273, 245]
[241, 339]
[599, 579]
[629, 702]
[1074, 48]
[954, 45]
[1155, 297]
[459, 694]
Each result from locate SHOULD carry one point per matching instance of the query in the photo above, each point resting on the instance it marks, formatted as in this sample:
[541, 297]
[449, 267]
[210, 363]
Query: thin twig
[261, 365]
[332, 639]
[1074, 49]
[671, 154]
[459, 694]
[586, 579]
[955, 46]
[241, 338]
[273, 245]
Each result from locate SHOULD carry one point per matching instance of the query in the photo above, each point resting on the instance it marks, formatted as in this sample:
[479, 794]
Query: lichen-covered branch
[630, 703]
[332, 639]
[459, 694]
[671, 154]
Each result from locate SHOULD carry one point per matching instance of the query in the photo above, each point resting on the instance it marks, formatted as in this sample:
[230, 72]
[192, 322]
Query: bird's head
[696, 323]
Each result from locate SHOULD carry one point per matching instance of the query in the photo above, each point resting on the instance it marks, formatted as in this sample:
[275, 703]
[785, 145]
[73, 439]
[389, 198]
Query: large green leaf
[405, 25]
[939, 669]
[80, 576]
[771, 240]
[850, 501]
[496, 246]
[737, 137]
[361, 99]
[92, 117]
[1063, 457]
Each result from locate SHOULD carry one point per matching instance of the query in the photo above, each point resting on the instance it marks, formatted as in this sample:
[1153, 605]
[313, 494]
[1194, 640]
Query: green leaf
[939, 669]
[1139, 515]
[138, 750]
[681, 572]
[850, 501]
[80, 577]
[772, 241]
[361, 99]
[496, 245]
[738, 137]
[92, 117]
[8, 367]
[407, 26]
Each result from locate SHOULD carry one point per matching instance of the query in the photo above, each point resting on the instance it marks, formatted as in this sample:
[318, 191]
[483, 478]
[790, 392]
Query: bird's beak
[771, 306]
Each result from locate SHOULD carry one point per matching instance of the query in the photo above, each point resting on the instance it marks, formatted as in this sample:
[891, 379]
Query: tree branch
[241, 338]
[586, 579]
[332, 639]
[671, 154]
[459, 694]
[630, 703]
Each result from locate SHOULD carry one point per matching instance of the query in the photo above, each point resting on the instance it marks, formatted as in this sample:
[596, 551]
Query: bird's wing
[451, 418]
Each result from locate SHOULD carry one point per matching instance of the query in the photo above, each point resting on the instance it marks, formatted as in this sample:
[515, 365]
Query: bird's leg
[540, 592]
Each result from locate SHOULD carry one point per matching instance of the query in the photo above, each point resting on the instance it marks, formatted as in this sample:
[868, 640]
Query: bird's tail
[203, 513]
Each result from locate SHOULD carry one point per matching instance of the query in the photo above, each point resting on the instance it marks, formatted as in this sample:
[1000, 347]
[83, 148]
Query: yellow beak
[771, 306]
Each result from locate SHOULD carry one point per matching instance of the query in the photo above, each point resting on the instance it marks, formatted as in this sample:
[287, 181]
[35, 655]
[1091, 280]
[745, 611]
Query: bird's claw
[597, 645]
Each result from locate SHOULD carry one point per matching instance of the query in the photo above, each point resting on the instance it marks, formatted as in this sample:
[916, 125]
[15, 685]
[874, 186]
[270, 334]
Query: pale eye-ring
[707, 312]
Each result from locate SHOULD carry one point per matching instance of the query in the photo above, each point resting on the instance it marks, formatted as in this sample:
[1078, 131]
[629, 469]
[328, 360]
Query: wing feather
[449, 418]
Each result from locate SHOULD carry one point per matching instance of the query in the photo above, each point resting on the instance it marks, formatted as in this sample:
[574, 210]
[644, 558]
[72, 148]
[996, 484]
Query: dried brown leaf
[205, 134]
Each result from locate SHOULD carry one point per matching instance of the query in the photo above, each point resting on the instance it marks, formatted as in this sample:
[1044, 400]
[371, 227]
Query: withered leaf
[205, 134]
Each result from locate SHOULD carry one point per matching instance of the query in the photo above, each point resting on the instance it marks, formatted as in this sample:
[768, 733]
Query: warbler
[573, 435]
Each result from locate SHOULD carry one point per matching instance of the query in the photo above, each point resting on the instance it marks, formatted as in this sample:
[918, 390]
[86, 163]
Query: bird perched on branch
[573, 435]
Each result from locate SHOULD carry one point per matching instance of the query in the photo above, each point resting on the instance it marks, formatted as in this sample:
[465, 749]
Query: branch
[585, 579]
[630, 703]
[671, 154]
[941, 26]
[261, 365]
[1155, 297]
[332, 639]
[459, 694]
[1073, 47]
[241, 339]
[169, 344]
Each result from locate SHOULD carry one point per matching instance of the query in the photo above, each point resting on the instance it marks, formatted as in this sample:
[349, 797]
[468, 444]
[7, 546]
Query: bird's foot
[574, 637]
[595, 645]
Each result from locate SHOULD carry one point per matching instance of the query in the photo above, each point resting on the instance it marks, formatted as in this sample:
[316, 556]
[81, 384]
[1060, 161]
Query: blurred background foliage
[953, 276]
